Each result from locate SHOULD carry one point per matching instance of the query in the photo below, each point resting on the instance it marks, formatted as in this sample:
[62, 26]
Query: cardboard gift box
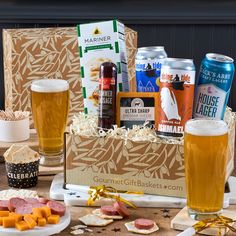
[151, 167]
[31, 54]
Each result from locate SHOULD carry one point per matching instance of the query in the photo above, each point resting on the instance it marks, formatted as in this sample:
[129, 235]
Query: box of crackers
[37, 53]
[130, 160]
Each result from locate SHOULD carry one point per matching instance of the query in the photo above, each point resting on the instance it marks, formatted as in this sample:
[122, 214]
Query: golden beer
[50, 106]
[205, 154]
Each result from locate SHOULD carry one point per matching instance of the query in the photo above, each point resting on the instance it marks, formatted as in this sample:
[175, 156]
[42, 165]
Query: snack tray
[78, 195]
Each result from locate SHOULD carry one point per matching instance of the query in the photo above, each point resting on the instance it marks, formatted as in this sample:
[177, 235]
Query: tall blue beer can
[213, 87]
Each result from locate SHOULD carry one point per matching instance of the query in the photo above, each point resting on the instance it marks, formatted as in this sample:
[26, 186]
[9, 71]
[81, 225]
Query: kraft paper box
[48, 52]
[152, 167]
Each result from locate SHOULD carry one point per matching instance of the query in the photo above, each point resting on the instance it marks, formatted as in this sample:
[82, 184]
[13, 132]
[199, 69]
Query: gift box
[154, 167]
[31, 54]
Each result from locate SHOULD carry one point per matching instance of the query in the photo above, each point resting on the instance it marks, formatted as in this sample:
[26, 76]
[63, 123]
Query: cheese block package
[136, 108]
[98, 43]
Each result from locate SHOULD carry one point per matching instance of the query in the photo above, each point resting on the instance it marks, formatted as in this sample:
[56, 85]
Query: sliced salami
[43, 200]
[4, 205]
[56, 208]
[15, 202]
[24, 209]
[121, 208]
[31, 200]
[109, 210]
[37, 205]
[144, 223]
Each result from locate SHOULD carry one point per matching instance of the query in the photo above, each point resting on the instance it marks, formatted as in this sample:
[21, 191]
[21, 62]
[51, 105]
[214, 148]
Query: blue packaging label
[148, 75]
[212, 92]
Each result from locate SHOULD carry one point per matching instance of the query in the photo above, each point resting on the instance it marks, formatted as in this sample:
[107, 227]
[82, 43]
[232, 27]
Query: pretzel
[10, 115]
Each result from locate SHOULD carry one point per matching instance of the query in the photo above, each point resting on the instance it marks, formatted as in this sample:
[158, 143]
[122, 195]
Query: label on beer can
[148, 75]
[176, 101]
[212, 92]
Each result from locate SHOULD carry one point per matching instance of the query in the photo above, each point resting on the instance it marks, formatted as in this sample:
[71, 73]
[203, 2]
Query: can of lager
[213, 88]
[176, 96]
[148, 64]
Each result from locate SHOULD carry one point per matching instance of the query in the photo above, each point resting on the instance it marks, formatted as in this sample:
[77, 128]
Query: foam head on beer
[49, 85]
[206, 127]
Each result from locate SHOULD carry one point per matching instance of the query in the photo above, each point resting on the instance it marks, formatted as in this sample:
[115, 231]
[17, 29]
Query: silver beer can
[148, 63]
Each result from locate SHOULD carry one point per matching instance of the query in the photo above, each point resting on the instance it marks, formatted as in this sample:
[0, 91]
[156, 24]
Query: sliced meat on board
[144, 223]
[57, 208]
[109, 210]
[121, 209]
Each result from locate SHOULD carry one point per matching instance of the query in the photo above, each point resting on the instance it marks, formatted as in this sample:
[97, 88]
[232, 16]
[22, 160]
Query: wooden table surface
[162, 216]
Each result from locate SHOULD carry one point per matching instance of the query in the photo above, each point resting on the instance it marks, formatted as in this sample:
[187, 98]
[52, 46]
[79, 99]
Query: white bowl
[14, 131]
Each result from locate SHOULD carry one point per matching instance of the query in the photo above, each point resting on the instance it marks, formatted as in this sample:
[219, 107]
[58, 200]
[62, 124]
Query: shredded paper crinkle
[86, 125]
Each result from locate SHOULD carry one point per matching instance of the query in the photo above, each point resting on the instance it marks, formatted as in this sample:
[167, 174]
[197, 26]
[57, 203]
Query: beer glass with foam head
[50, 106]
[205, 154]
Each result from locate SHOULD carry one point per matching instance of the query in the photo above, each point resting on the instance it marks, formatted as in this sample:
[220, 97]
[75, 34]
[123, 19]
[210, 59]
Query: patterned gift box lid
[47, 52]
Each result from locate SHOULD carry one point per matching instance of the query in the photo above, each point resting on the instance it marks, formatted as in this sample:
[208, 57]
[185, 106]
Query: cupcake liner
[23, 175]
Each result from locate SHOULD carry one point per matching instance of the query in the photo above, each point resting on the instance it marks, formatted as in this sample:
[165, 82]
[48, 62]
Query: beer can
[213, 87]
[176, 96]
[148, 63]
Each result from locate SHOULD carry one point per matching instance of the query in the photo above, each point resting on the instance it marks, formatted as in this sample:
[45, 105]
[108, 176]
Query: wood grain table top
[162, 216]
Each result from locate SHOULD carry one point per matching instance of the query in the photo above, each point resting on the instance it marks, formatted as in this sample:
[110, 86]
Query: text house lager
[214, 84]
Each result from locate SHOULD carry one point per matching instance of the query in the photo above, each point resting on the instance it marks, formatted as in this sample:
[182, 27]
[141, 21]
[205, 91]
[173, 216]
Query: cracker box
[101, 42]
[48, 52]
[155, 167]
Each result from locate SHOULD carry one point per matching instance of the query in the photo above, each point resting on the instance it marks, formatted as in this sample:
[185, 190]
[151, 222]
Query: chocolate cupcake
[22, 165]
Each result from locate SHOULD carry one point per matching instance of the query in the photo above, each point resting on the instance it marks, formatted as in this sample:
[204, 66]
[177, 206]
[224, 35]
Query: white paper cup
[14, 131]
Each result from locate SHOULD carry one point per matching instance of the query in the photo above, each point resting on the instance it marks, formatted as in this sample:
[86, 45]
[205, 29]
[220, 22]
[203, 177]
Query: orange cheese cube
[4, 213]
[42, 222]
[46, 211]
[8, 222]
[17, 217]
[53, 219]
[37, 212]
[30, 221]
[1, 220]
[32, 216]
[22, 225]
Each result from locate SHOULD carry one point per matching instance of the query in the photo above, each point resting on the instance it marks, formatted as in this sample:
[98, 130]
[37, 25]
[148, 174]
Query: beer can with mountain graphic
[176, 96]
[148, 63]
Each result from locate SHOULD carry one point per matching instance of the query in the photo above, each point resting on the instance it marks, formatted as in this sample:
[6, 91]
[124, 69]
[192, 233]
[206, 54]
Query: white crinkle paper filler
[86, 125]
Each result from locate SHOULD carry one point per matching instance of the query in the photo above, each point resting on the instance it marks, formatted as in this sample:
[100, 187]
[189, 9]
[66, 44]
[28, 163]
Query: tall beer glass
[205, 154]
[50, 105]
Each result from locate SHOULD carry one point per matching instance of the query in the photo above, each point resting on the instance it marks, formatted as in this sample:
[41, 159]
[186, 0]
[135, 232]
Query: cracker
[99, 213]
[77, 232]
[131, 228]
[93, 220]
[8, 154]
[78, 227]
[25, 155]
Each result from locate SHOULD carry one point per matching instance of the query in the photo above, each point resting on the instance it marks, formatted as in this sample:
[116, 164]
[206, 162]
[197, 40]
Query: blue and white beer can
[148, 64]
[213, 88]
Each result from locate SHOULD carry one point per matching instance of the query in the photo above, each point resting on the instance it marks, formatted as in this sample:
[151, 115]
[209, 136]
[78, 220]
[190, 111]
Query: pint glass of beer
[50, 106]
[205, 154]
